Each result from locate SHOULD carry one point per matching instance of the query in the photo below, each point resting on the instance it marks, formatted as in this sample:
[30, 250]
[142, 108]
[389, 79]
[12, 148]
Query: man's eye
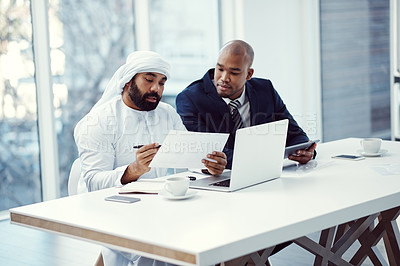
[149, 80]
[162, 83]
[235, 74]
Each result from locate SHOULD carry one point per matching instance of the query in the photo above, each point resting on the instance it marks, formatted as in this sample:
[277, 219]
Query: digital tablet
[302, 146]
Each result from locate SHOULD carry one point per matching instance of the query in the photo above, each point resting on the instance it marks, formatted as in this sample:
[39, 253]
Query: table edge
[102, 238]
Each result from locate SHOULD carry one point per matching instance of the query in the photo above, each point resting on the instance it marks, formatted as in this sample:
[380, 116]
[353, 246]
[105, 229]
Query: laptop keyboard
[224, 183]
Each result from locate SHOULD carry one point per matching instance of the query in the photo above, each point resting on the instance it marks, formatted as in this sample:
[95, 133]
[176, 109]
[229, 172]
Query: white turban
[137, 62]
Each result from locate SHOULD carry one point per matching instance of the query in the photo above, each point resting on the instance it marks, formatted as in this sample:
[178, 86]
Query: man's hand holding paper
[215, 163]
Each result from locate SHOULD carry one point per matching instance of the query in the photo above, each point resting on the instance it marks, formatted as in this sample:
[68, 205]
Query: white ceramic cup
[371, 145]
[177, 186]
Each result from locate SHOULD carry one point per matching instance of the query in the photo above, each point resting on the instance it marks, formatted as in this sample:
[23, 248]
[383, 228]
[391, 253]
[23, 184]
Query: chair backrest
[74, 176]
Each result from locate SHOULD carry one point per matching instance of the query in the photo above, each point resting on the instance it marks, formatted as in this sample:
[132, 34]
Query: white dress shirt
[244, 108]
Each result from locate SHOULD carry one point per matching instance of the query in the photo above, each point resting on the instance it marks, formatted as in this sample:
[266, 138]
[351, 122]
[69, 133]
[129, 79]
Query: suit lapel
[253, 102]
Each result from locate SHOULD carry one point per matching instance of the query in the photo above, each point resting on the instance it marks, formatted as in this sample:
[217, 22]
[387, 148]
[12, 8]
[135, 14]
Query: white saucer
[367, 154]
[167, 195]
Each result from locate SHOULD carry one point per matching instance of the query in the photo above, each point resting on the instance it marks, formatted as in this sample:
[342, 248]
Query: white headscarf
[137, 62]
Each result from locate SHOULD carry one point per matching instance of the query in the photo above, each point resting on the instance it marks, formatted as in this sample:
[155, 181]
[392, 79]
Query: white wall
[285, 38]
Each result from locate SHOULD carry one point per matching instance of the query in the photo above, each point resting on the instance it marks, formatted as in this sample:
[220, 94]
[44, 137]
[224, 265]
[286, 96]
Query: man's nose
[225, 77]
[155, 87]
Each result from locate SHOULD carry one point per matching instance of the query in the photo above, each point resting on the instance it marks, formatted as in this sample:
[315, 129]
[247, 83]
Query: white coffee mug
[371, 145]
[177, 186]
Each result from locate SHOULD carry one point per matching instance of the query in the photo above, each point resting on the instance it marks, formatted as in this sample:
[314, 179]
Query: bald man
[204, 105]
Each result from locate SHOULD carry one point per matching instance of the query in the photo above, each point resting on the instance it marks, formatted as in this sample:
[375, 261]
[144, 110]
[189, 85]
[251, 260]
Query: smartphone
[348, 157]
[124, 199]
[302, 146]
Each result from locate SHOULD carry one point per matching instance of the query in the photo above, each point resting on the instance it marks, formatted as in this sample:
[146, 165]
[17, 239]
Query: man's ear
[127, 85]
[250, 73]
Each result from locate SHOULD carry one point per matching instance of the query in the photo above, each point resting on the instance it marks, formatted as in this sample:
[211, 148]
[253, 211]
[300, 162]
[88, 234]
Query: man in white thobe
[129, 114]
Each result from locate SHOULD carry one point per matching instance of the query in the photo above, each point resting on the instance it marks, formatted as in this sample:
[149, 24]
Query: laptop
[257, 158]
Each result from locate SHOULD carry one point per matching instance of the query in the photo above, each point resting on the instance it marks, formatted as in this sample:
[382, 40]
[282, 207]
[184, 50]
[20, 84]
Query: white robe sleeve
[96, 151]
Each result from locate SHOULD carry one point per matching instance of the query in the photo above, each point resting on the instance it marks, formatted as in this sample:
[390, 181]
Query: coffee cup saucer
[167, 195]
[375, 154]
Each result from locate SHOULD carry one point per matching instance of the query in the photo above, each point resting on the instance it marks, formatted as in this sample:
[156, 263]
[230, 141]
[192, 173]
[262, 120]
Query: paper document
[185, 149]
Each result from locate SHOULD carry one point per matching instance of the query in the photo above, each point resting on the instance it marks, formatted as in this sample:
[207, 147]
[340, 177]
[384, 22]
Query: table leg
[335, 241]
[392, 236]
[318, 250]
[368, 240]
[326, 240]
[261, 257]
[352, 235]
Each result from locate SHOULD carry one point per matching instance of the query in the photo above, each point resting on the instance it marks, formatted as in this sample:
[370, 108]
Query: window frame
[48, 148]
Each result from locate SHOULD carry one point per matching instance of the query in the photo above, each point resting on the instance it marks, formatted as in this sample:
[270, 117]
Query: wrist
[131, 174]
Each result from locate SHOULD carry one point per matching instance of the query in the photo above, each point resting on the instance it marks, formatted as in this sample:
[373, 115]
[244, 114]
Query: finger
[144, 158]
[214, 171]
[213, 165]
[149, 146]
[312, 148]
[219, 154]
[147, 160]
[306, 153]
[219, 157]
[140, 167]
[295, 158]
[214, 168]
[301, 158]
[147, 150]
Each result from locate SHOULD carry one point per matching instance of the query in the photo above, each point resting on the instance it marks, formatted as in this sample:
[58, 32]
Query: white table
[216, 226]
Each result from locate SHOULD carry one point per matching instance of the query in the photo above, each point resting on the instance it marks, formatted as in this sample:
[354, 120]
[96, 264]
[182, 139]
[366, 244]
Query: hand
[144, 156]
[215, 168]
[303, 156]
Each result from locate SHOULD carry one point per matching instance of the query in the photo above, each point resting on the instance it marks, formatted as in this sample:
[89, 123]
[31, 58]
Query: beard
[139, 99]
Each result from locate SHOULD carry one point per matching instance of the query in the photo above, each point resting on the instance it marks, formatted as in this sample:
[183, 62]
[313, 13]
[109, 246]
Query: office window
[355, 54]
[186, 33]
[20, 181]
[89, 40]
[396, 71]
[397, 27]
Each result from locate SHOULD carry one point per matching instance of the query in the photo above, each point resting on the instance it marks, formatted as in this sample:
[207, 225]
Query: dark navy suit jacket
[203, 110]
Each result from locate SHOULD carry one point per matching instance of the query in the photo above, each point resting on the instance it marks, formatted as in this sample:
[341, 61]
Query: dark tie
[237, 120]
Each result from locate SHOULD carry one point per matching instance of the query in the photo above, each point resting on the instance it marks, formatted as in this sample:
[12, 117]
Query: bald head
[233, 69]
[239, 48]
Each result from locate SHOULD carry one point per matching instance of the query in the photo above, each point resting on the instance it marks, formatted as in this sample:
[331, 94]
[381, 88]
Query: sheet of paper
[185, 149]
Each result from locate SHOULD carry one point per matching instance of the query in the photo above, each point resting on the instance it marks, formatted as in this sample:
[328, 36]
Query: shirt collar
[241, 98]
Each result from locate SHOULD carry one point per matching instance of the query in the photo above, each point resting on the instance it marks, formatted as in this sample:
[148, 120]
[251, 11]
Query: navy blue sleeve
[295, 133]
[189, 113]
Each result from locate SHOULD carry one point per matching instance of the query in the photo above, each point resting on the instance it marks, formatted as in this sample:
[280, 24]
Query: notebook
[257, 158]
